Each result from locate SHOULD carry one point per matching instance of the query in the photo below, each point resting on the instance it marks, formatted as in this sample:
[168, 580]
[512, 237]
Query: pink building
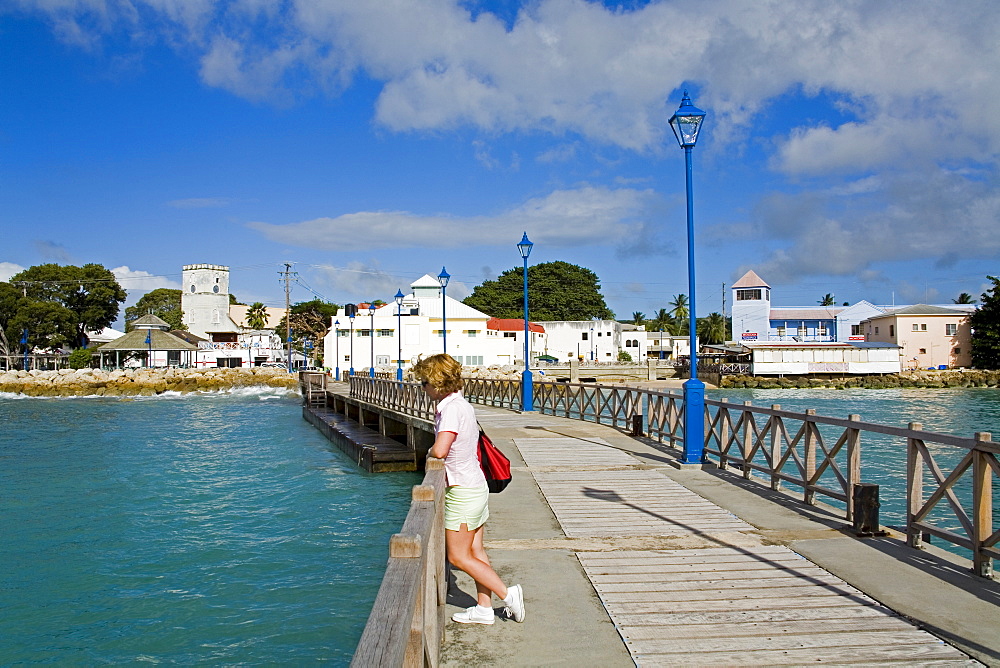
[928, 336]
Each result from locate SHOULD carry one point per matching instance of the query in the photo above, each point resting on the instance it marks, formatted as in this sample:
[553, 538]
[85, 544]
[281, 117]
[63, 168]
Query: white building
[425, 324]
[221, 342]
[588, 340]
[791, 358]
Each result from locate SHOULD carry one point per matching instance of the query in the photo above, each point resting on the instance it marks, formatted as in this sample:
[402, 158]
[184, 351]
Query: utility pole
[724, 303]
[288, 274]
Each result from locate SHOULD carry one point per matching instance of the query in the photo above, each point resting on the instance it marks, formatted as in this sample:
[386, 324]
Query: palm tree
[638, 318]
[257, 316]
[964, 298]
[680, 307]
[827, 300]
[712, 328]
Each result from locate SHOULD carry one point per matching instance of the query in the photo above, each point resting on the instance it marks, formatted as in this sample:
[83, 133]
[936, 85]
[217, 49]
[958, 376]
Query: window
[802, 330]
[876, 330]
[855, 330]
[585, 336]
[510, 335]
[747, 295]
[215, 289]
[781, 331]
[916, 327]
[892, 330]
[957, 351]
[343, 332]
[192, 287]
[923, 351]
[386, 332]
[472, 333]
[364, 332]
[474, 360]
[822, 329]
[951, 329]
[215, 316]
[598, 334]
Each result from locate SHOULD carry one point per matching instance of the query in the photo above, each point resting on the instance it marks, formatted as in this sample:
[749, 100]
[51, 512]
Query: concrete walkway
[626, 560]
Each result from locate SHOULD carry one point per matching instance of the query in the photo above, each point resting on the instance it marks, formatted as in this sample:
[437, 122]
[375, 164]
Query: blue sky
[849, 147]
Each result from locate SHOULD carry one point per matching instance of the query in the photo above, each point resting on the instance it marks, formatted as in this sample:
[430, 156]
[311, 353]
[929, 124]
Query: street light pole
[443, 278]
[371, 333]
[399, 334]
[336, 343]
[350, 317]
[686, 124]
[527, 389]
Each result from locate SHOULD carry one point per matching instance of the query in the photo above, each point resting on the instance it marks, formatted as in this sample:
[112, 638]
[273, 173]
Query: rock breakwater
[140, 382]
[928, 379]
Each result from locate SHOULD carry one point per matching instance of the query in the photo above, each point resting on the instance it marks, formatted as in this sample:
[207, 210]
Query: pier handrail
[406, 625]
[783, 446]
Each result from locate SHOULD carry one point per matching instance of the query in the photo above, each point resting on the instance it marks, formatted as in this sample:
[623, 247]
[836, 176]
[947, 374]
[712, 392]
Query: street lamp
[686, 124]
[661, 344]
[527, 400]
[350, 316]
[371, 333]
[399, 334]
[336, 343]
[443, 280]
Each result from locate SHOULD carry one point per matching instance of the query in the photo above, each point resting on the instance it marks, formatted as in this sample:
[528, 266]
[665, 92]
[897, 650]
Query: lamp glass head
[686, 122]
[524, 248]
[399, 297]
[443, 278]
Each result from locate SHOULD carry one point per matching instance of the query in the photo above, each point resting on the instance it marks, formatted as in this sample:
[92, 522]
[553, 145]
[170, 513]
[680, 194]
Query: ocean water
[197, 529]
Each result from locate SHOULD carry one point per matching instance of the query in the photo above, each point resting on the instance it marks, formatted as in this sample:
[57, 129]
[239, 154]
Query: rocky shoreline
[140, 382]
[918, 379]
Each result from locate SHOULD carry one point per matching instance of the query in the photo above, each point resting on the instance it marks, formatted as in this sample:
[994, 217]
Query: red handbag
[495, 465]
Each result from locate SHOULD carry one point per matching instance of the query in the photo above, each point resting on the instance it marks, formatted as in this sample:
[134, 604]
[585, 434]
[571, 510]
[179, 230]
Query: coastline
[140, 381]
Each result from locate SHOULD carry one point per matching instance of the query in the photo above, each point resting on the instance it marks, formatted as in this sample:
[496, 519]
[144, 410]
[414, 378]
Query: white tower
[751, 308]
[205, 300]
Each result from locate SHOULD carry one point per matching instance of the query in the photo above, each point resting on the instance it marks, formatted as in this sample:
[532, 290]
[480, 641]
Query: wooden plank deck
[721, 602]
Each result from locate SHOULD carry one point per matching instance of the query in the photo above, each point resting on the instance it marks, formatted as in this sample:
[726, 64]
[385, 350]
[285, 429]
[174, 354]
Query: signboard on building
[749, 336]
[856, 338]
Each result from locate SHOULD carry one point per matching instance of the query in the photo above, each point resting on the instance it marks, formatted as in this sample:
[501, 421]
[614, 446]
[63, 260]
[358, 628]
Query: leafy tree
[827, 300]
[556, 291]
[985, 323]
[49, 324]
[90, 294]
[257, 316]
[638, 318]
[964, 298]
[164, 303]
[309, 320]
[624, 356]
[81, 358]
[712, 328]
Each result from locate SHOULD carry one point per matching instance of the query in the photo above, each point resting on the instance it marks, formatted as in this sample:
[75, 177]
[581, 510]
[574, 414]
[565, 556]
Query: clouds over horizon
[588, 215]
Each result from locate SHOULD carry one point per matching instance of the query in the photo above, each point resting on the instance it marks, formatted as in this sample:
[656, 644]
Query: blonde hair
[441, 371]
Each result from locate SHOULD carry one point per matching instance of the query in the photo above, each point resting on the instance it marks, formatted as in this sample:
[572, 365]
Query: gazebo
[150, 334]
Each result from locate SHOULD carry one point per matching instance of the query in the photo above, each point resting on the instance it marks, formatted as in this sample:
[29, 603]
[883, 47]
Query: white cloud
[136, 280]
[585, 216]
[8, 269]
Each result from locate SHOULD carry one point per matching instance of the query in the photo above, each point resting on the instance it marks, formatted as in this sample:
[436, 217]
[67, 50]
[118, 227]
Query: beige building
[928, 336]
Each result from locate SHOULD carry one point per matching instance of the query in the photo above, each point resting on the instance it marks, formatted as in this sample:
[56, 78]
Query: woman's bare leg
[465, 551]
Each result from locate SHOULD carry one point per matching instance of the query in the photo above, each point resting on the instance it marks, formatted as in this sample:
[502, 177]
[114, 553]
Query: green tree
[624, 356]
[556, 291]
[679, 309]
[309, 320]
[827, 300]
[257, 316]
[638, 318]
[164, 303]
[985, 323]
[712, 328]
[90, 293]
[964, 298]
[81, 358]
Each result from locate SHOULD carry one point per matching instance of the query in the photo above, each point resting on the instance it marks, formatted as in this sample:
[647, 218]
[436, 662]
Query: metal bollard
[637, 425]
[866, 505]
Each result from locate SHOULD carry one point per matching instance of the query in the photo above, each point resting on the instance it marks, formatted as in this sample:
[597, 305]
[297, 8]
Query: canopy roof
[159, 340]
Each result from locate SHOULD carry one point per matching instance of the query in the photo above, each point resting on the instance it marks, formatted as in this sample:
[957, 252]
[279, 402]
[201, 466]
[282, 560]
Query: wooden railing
[313, 386]
[819, 454]
[403, 397]
[406, 625]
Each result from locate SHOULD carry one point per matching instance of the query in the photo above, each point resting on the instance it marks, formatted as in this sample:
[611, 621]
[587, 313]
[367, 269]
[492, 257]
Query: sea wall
[139, 382]
[927, 378]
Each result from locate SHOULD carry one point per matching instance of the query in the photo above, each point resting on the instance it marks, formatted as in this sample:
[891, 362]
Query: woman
[466, 497]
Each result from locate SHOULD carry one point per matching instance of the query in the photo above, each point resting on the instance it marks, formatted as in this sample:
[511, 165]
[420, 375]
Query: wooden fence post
[775, 448]
[982, 506]
[809, 459]
[853, 463]
[746, 444]
[914, 485]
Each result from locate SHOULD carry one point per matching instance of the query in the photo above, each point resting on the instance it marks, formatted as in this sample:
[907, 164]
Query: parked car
[273, 365]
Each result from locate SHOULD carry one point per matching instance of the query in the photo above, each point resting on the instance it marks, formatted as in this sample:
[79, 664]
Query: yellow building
[928, 336]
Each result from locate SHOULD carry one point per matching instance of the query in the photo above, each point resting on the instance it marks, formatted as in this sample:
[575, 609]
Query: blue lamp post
[399, 334]
[24, 345]
[527, 391]
[149, 347]
[371, 333]
[686, 124]
[443, 278]
[350, 316]
[336, 343]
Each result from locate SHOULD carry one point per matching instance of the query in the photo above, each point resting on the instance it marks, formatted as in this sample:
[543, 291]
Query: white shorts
[466, 505]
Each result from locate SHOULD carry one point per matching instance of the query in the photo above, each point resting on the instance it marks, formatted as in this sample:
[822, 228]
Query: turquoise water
[212, 529]
[955, 411]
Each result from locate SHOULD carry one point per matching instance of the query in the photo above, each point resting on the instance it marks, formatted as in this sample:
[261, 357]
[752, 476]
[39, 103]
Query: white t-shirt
[461, 466]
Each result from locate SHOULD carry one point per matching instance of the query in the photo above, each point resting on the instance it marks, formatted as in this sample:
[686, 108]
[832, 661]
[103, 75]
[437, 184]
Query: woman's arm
[442, 444]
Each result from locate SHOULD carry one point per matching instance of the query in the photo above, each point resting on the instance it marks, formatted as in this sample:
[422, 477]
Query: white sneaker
[515, 602]
[473, 616]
